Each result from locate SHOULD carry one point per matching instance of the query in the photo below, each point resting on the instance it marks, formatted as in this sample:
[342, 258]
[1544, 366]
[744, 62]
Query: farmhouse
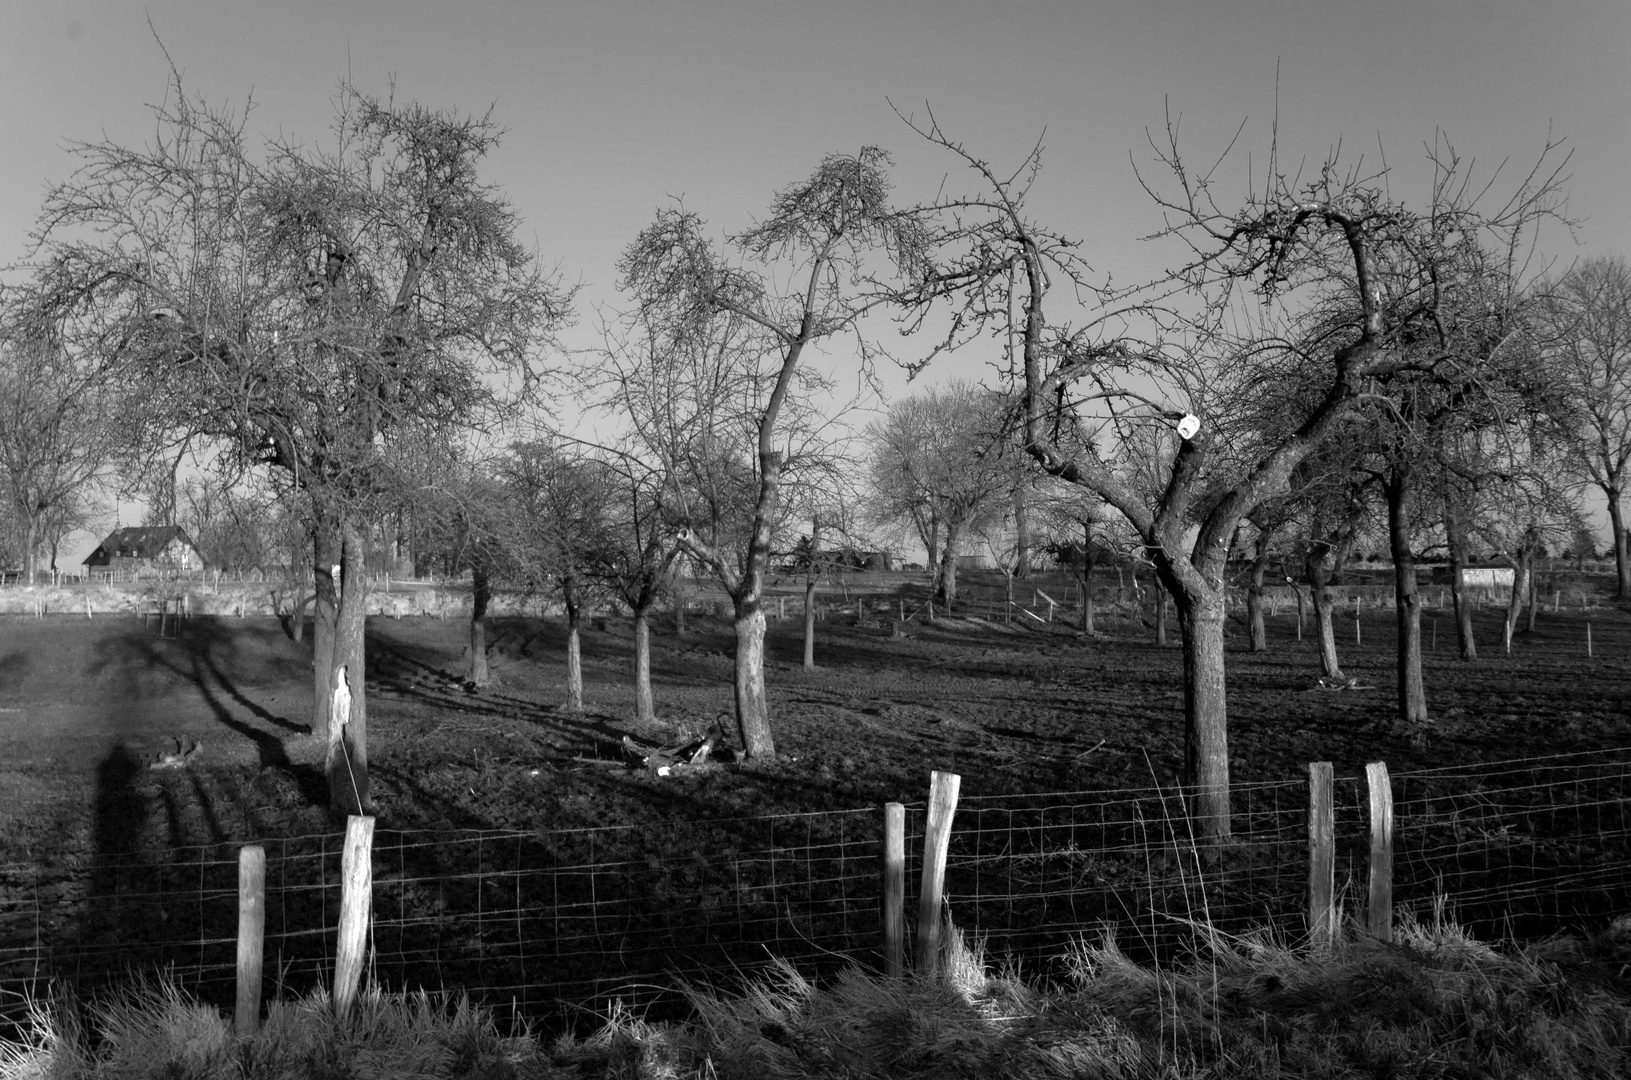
[164, 547]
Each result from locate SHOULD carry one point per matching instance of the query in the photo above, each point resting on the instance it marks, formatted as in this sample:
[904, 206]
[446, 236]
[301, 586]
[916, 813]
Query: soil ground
[86, 704]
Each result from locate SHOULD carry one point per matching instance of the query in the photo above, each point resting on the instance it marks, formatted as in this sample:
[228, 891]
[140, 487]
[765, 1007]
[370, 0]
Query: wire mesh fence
[546, 922]
[532, 921]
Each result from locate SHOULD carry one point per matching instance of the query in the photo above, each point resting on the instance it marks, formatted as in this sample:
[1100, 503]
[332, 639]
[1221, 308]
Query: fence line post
[1321, 858]
[251, 937]
[1379, 906]
[894, 889]
[356, 888]
[943, 788]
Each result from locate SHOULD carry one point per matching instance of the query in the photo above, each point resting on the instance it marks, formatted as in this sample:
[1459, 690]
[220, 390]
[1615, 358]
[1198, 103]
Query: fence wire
[546, 923]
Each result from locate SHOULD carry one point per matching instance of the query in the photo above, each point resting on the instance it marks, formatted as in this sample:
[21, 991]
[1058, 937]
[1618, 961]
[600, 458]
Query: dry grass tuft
[1434, 1005]
[151, 1031]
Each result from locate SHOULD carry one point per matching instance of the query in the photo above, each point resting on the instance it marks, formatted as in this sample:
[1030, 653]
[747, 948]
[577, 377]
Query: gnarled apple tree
[306, 309]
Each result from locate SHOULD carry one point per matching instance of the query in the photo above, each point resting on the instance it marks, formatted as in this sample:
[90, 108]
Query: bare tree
[937, 461]
[60, 438]
[1587, 345]
[822, 231]
[635, 556]
[1320, 243]
[1084, 534]
[307, 310]
[562, 501]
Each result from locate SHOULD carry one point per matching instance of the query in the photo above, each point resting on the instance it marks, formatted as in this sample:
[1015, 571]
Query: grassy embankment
[1435, 1004]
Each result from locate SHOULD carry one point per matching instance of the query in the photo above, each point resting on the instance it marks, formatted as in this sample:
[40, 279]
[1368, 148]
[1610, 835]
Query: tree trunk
[480, 593]
[809, 621]
[1087, 596]
[574, 650]
[809, 597]
[1534, 597]
[30, 542]
[948, 567]
[1022, 533]
[1319, 585]
[1407, 601]
[1206, 736]
[1522, 567]
[1254, 598]
[645, 712]
[1455, 533]
[325, 557]
[934, 554]
[752, 707]
[1160, 613]
[347, 762]
[1622, 564]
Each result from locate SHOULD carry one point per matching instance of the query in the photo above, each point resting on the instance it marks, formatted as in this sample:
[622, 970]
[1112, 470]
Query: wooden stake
[1379, 906]
[356, 889]
[1588, 638]
[894, 889]
[251, 937]
[943, 788]
[1321, 858]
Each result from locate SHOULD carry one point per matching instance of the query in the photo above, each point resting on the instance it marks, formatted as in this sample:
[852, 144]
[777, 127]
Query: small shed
[161, 547]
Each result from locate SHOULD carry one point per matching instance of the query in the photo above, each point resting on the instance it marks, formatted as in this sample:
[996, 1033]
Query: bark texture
[1456, 534]
[574, 651]
[1318, 568]
[1622, 559]
[645, 710]
[752, 707]
[1206, 740]
[480, 594]
[347, 767]
[1407, 601]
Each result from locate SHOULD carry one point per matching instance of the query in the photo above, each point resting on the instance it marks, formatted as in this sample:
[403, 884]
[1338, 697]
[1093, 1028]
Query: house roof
[138, 542]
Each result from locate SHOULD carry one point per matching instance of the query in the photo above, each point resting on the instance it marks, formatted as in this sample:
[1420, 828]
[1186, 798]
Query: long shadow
[14, 668]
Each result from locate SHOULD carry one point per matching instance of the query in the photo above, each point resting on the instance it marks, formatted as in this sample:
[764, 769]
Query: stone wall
[242, 599]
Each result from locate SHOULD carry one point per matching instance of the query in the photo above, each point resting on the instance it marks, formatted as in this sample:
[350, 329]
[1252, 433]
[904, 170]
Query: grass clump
[1433, 1005]
[153, 1031]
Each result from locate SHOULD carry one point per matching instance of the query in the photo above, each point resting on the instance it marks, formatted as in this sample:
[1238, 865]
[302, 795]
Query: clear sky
[614, 107]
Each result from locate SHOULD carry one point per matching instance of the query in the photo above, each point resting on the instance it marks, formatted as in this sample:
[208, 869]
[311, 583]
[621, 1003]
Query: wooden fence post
[356, 889]
[251, 937]
[894, 889]
[1321, 858]
[1379, 905]
[943, 788]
